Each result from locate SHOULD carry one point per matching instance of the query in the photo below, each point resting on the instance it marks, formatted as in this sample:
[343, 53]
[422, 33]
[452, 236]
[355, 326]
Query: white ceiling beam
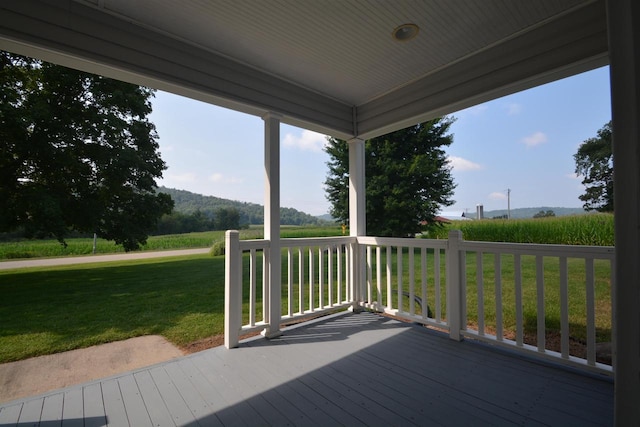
[75, 35]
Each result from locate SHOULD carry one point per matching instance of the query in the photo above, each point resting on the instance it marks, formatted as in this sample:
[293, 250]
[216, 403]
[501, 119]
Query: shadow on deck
[347, 369]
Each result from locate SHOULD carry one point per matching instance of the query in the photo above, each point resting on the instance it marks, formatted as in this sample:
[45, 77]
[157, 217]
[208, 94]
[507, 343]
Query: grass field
[22, 249]
[48, 310]
[589, 230]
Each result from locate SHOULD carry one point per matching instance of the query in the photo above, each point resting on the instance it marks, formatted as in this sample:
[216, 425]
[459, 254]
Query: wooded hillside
[188, 203]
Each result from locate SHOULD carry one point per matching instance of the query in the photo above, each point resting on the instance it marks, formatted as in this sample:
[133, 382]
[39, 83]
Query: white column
[357, 199]
[357, 215]
[272, 222]
[624, 55]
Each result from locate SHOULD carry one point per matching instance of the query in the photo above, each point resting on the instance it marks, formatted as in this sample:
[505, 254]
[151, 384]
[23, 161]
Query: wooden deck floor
[352, 369]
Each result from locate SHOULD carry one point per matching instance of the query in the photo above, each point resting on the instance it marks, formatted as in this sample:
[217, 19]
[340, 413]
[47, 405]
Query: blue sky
[524, 142]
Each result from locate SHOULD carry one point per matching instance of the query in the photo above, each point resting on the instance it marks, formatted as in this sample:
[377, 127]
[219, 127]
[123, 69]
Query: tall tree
[594, 162]
[77, 152]
[408, 178]
[227, 218]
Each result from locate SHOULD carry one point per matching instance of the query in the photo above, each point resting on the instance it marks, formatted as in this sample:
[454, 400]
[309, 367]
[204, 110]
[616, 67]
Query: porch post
[624, 55]
[455, 272]
[272, 222]
[357, 215]
[232, 289]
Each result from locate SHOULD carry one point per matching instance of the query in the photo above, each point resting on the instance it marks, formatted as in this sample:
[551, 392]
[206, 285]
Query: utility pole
[508, 203]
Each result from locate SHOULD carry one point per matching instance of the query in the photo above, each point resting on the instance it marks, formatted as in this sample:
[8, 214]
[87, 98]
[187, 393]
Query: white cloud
[309, 140]
[460, 164]
[182, 178]
[220, 178]
[496, 195]
[534, 139]
[514, 109]
[574, 176]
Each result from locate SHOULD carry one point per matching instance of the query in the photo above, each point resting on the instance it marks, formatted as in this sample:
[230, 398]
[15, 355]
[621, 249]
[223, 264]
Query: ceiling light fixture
[405, 32]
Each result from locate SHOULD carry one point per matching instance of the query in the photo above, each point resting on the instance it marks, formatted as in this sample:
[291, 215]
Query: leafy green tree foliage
[250, 213]
[408, 178]
[178, 223]
[545, 214]
[227, 219]
[77, 152]
[594, 162]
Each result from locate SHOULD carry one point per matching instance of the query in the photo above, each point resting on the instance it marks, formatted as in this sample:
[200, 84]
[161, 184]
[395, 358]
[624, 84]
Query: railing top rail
[254, 244]
[315, 241]
[405, 242]
[600, 252]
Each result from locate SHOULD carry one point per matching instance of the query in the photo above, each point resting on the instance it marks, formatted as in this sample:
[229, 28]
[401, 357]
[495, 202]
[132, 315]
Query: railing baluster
[320, 278]
[497, 266]
[591, 311]
[399, 275]
[379, 276]
[412, 304]
[330, 275]
[348, 286]
[339, 273]
[517, 273]
[252, 287]
[369, 275]
[480, 292]
[564, 308]
[389, 292]
[266, 256]
[540, 305]
[289, 282]
[301, 280]
[423, 274]
[312, 303]
[436, 284]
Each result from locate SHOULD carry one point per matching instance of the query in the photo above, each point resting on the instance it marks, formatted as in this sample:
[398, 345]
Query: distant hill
[530, 212]
[187, 203]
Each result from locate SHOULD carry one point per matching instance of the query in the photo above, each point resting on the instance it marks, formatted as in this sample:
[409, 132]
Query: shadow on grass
[51, 310]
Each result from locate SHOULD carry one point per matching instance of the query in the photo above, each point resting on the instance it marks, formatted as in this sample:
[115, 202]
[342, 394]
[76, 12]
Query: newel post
[232, 289]
[454, 285]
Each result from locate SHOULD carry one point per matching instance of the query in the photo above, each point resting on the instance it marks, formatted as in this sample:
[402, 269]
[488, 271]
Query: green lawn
[50, 310]
[54, 309]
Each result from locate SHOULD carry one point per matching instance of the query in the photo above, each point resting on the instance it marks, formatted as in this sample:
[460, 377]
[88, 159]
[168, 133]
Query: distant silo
[479, 211]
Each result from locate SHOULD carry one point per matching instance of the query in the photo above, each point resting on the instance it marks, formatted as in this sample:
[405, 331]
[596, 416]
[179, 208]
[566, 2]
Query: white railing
[317, 278]
[503, 293]
[556, 277]
[404, 278]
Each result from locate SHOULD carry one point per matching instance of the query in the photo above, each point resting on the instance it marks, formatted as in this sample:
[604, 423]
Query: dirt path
[45, 373]
[45, 262]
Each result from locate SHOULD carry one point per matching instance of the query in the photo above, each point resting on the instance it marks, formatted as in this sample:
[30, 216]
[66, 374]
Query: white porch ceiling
[327, 65]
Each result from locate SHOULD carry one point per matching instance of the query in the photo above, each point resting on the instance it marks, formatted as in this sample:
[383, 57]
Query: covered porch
[322, 80]
[344, 369]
